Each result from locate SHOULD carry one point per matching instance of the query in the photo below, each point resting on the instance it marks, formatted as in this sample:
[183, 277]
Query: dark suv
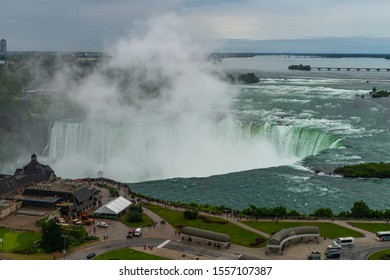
[90, 256]
[334, 255]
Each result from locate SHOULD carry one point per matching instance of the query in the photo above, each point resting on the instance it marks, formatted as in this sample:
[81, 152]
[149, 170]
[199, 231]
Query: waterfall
[295, 141]
[155, 150]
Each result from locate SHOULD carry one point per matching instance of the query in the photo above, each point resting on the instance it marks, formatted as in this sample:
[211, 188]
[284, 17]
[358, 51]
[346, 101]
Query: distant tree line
[365, 170]
[248, 78]
[300, 67]
[359, 210]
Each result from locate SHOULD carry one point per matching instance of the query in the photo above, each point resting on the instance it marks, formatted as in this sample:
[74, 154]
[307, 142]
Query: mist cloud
[156, 109]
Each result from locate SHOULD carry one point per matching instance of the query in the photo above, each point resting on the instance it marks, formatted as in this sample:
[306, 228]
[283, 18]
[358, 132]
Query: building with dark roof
[36, 185]
[36, 171]
[31, 173]
[71, 197]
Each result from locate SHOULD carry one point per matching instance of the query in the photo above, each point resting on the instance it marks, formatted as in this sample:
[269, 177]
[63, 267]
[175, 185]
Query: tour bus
[383, 236]
[344, 241]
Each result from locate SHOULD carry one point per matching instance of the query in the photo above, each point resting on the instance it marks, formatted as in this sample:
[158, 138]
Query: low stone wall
[12, 208]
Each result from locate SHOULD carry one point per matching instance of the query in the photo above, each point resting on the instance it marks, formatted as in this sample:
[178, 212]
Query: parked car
[334, 246]
[138, 232]
[129, 234]
[314, 256]
[332, 249]
[333, 255]
[102, 224]
[90, 256]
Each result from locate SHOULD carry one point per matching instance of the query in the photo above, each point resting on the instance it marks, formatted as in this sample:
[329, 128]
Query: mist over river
[318, 119]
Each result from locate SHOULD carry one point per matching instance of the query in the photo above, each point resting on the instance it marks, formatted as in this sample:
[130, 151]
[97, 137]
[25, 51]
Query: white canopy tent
[115, 207]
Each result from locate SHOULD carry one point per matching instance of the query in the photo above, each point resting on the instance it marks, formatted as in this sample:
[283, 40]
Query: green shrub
[134, 217]
[257, 242]
[385, 256]
[190, 214]
[134, 214]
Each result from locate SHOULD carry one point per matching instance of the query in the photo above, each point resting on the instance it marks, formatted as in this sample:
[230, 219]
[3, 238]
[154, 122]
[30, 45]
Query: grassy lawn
[237, 234]
[127, 254]
[328, 230]
[379, 254]
[146, 221]
[17, 240]
[371, 227]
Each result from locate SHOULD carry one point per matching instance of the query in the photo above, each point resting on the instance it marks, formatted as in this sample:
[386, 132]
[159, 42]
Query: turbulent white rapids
[145, 151]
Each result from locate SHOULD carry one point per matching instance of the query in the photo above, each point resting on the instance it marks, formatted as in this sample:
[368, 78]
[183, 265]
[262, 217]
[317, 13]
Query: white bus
[383, 236]
[344, 241]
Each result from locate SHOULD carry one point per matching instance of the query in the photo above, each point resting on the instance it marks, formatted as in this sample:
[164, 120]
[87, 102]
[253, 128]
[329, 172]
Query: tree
[293, 213]
[190, 214]
[323, 213]
[134, 214]
[51, 234]
[278, 212]
[360, 210]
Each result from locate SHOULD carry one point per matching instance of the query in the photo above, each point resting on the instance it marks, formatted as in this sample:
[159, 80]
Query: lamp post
[64, 251]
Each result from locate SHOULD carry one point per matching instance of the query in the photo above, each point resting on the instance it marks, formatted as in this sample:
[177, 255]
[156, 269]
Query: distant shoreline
[323, 55]
[227, 54]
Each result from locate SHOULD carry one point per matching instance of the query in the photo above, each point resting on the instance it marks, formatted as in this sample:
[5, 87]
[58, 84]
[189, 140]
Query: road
[103, 247]
[361, 252]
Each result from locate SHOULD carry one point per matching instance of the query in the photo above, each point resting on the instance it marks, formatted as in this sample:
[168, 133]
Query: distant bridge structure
[327, 68]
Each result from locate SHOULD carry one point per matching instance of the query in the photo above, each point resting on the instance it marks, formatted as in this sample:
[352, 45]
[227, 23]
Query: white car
[102, 224]
[335, 245]
[138, 232]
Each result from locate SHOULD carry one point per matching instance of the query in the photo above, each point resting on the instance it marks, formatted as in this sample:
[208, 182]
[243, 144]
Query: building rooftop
[59, 185]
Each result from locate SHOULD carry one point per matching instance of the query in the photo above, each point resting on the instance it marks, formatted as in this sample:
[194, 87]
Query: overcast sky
[89, 25]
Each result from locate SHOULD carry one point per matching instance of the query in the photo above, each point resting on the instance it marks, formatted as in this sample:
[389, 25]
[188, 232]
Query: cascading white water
[296, 141]
[145, 151]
